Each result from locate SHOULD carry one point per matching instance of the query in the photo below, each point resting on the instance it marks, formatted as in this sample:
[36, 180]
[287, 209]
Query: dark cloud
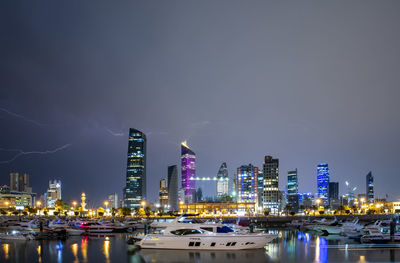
[305, 82]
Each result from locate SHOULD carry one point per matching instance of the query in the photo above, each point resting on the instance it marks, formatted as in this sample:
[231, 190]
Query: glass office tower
[323, 183]
[293, 191]
[135, 189]
[188, 172]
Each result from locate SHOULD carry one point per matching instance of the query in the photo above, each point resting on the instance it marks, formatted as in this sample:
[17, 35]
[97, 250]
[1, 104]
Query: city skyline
[319, 81]
[185, 150]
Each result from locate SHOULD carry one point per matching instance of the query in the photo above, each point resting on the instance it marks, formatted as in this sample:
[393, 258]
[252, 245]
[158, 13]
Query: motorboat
[135, 224]
[340, 228]
[74, 231]
[117, 226]
[195, 237]
[16, 235]
[95, 227]
[376, 237]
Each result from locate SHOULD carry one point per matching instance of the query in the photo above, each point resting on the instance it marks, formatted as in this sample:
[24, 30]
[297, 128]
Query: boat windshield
[182, 232]
[224, 229]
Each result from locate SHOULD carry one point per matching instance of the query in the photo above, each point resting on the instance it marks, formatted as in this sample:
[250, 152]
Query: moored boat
[197, 238]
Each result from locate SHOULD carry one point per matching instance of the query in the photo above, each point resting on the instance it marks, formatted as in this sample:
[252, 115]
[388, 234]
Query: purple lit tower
[188, 163]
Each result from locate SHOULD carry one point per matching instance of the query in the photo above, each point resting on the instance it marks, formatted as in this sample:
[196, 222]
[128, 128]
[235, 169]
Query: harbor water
[291, 246]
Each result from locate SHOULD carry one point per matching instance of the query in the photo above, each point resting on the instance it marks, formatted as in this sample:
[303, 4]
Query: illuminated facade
[16, 199]
[293, 191]
[188, 171]
[113, 200]
[218, 208]
[222, 181]
[135, 189]
[53, 193]
[323, 183]
[260, 189]
[370, 187]
[271, 199]
[163, 193]
[247, 184]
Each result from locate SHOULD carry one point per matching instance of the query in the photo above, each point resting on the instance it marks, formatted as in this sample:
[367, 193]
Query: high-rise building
[53, 193]
[271, 184]
[222, 181]
[173, 187]
[333, 192]
[247, 184]
[20, 183]
[293, 191]
[260, 189]
[370, 188]
[323, 183]
[235, 189]
[163, 193]
[135, 189]
[188, 170]
[113, 200]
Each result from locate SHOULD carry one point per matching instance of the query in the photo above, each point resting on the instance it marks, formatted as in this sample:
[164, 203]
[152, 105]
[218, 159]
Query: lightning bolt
[21, 152]
[114, 133]
[21, 117]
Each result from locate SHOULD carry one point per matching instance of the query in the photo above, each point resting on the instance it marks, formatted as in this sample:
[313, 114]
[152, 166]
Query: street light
[38, 204]
[143, 203]
[106, 204]
[74, 203]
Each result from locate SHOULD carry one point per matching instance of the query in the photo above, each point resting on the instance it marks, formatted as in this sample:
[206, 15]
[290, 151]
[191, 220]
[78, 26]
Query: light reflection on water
[291, 246]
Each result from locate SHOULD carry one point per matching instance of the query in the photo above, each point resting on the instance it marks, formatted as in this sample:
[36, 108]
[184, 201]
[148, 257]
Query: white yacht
[95, 227]
[196, 237]
[16, 235]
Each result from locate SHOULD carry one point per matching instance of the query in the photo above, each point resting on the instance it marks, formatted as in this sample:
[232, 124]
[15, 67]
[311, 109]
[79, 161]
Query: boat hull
[193, 242]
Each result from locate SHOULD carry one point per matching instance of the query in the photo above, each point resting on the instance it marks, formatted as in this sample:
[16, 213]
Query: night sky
[304, 82]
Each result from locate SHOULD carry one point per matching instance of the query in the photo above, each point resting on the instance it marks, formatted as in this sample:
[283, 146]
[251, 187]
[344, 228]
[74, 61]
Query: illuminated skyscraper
[135, 190]
[323, 183]
[173, 187]
[260, 189]
[53, 193]
[113, 200]
[163, 193]
[293, 191]
[271, 184]
[370, 187]
[247, 184]
[188, 172]
[222, 181]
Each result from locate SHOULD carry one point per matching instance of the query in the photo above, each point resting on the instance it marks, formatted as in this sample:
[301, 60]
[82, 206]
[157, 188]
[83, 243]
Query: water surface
[291, 246]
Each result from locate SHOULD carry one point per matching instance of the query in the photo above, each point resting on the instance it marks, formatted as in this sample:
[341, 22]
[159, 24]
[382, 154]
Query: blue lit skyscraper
[370, 188]
[323, 183]
[247, 184]
[135, 189]
[293, 191]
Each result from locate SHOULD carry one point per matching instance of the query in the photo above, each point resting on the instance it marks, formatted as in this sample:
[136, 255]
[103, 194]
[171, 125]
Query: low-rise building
[16, 199]
[217, 208]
